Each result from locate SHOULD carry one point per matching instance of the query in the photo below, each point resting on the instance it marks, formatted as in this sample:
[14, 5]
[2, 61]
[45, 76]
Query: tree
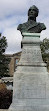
[45, 50]
[45, 45]
[3, 60]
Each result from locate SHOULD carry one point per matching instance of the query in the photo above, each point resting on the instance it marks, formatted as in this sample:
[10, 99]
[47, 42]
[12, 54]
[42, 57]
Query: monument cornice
[31, 34]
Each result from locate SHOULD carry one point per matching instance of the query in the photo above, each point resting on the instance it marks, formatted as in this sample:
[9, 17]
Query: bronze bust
[31, 26]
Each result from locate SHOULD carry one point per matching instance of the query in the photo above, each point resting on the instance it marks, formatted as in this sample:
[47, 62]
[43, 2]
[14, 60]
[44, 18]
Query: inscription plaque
[31, 54]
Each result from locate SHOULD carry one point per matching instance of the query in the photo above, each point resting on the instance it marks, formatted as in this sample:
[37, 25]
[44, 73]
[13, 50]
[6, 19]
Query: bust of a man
[31, 26]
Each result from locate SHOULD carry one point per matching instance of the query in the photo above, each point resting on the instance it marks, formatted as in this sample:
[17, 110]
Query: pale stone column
[31, 80]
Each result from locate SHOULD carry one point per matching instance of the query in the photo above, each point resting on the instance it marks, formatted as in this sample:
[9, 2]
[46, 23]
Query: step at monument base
[31, 108]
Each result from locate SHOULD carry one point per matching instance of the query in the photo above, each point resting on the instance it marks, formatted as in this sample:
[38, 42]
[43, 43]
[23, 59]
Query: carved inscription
[31, 54]
[32, 51]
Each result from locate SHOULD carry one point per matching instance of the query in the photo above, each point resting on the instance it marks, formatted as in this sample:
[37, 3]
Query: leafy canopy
[3, 60]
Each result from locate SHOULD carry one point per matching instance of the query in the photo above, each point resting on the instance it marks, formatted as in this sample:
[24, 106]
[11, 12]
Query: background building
[14, 59]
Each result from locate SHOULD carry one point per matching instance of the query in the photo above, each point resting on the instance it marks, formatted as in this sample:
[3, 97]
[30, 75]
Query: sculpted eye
[29, 10]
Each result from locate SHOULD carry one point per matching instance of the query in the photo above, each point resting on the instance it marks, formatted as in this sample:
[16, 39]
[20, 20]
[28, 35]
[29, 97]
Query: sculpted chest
[30, 27]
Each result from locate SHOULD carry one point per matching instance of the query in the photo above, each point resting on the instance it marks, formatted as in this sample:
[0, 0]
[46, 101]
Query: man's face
[32, 13]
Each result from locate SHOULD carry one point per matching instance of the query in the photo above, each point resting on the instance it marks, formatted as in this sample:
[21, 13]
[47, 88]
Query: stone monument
[31, 80]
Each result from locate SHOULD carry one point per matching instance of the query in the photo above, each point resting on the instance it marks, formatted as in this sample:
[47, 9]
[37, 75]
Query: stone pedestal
[31, 80]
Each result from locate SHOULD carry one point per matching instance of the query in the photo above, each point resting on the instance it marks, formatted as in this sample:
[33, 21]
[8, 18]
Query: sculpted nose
[31, 12]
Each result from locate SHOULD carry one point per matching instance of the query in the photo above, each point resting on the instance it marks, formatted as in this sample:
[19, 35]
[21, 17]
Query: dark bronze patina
[31, 25]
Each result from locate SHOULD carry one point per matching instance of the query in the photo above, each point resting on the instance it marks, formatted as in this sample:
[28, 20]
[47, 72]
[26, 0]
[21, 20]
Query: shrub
[5, 98]
[2, 86]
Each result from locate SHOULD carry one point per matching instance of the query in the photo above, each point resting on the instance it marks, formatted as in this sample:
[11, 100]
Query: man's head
[33, 11]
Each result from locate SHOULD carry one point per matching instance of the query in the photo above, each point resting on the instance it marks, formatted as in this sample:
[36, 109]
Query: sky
[13, 13]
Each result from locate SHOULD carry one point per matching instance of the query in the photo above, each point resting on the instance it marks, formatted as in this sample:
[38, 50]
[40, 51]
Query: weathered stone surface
[4, 110]
[31, 80]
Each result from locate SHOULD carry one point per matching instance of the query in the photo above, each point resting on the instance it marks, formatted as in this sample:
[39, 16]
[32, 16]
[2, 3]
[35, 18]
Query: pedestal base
[31, 80]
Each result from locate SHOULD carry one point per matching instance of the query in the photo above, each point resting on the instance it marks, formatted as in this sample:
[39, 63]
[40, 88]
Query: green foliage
[44, 48]
[3, 60]
[45, 45]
